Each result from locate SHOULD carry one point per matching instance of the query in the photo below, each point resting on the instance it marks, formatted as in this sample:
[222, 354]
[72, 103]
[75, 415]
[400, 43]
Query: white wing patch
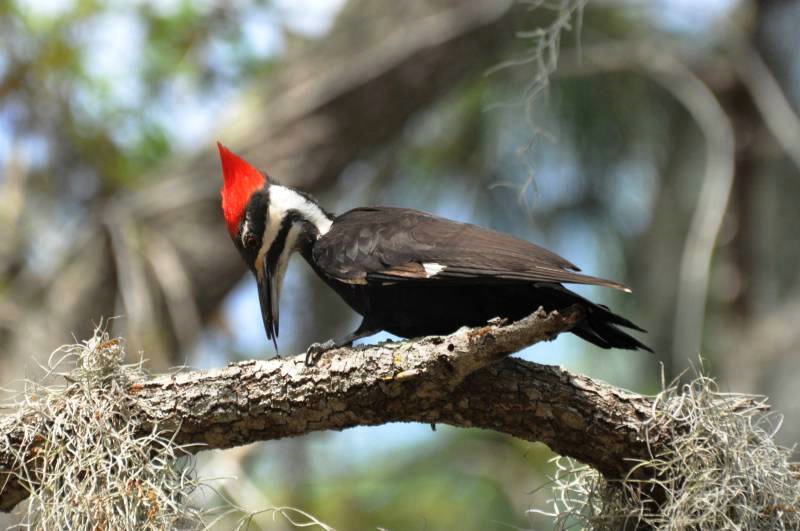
[433, 269]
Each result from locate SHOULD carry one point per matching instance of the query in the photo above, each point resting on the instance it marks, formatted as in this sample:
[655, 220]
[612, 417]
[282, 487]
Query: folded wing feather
[396, 244]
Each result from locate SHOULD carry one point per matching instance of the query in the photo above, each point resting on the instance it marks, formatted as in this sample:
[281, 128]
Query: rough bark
[464, 379]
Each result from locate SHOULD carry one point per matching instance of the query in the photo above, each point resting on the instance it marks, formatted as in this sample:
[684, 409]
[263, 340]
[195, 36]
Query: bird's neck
[288, 202]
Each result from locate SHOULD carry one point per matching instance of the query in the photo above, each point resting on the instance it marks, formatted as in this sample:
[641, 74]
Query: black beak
[268, 297]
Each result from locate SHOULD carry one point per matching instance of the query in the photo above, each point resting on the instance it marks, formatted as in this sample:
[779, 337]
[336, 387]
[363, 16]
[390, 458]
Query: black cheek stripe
[279, 243]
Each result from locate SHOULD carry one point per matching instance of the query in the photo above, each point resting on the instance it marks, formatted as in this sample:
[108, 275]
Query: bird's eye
[249, 241]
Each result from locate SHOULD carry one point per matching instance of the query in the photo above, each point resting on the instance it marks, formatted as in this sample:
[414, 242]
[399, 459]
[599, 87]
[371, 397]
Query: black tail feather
[613, 318]
[585, 332]
[608, 336]
[600, 326]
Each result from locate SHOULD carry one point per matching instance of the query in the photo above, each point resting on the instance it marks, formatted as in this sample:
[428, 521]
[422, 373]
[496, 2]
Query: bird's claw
[315, 350]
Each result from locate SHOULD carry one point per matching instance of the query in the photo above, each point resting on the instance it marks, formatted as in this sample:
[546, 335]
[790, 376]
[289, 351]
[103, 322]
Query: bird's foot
[315, 350]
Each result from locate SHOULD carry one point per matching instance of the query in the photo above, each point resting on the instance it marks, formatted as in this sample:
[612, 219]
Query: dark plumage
[375, 260]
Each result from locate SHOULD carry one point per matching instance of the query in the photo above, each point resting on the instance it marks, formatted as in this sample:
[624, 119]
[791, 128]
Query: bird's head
[268, 222]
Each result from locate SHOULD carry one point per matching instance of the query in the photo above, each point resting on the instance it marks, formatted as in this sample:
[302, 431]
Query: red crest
[241, 180]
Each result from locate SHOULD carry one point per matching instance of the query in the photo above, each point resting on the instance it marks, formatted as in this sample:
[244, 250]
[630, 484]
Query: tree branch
[464, 379]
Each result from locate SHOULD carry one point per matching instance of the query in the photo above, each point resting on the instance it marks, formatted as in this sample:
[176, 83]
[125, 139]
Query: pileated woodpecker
[405, 271]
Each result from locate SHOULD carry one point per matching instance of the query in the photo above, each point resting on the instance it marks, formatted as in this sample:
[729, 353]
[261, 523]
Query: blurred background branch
[314, 117]
[706, 111]
[777, 112]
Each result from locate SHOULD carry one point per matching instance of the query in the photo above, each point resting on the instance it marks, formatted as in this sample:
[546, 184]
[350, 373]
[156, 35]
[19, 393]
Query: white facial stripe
[283, 200]
[245, 228]
[432, 268]
[273, 224]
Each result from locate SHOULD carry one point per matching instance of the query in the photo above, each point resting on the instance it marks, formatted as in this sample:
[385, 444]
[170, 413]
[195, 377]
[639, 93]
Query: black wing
[396, 244]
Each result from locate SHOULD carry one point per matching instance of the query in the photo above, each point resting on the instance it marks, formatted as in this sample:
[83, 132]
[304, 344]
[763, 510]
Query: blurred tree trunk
[761, 339]
[160, 257]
